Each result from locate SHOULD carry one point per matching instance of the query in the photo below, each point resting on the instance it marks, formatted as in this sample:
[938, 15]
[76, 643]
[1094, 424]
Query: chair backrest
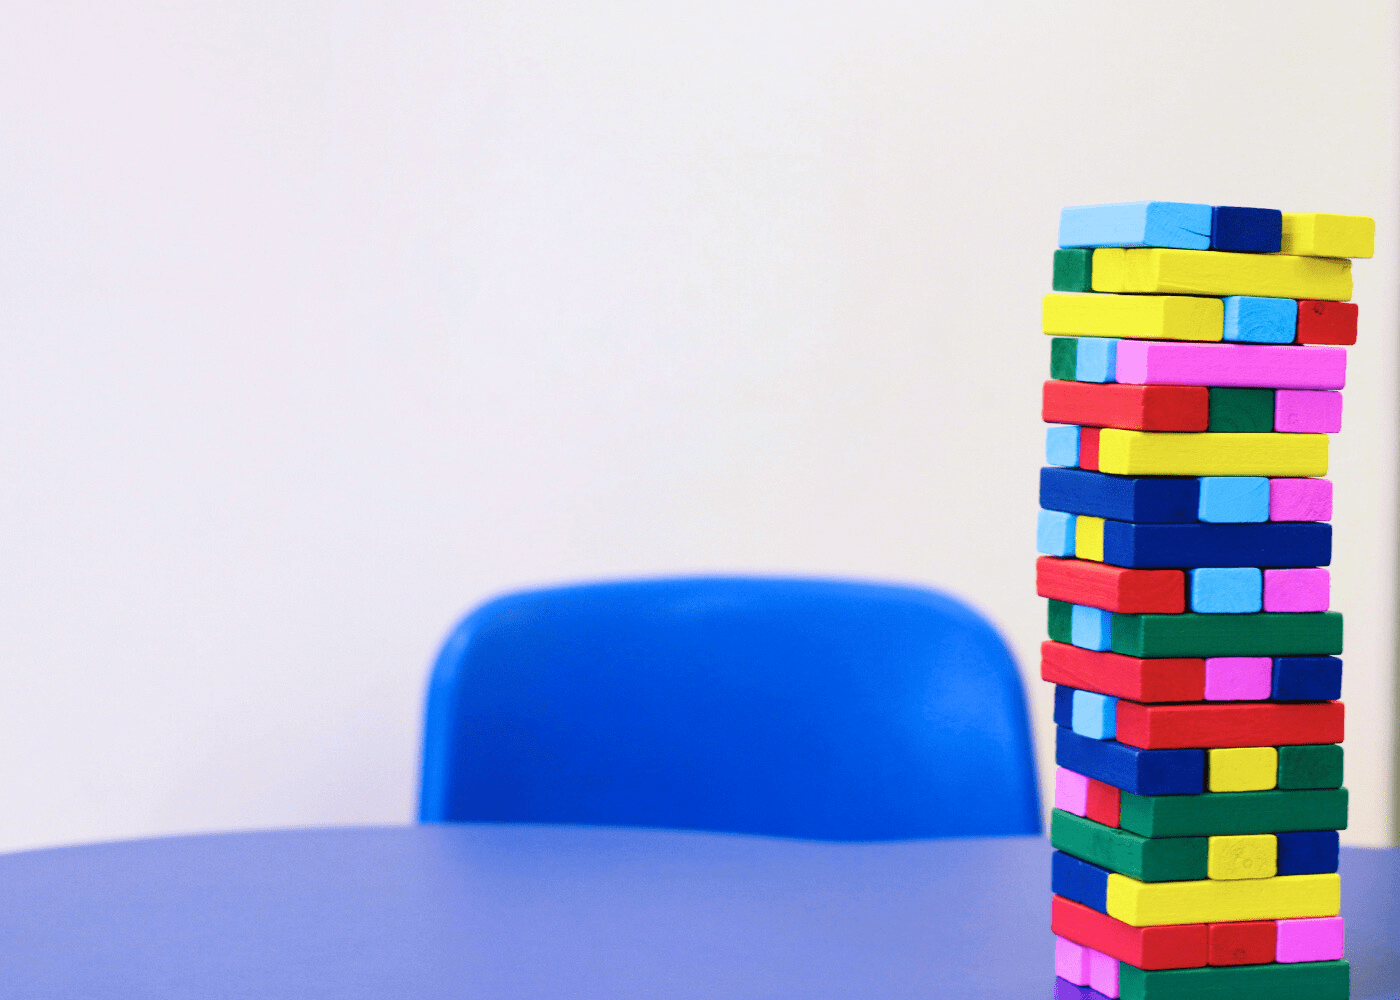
[804, 708]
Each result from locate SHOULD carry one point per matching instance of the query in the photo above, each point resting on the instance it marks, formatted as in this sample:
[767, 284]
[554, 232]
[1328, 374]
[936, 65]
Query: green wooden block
[1313, 633]
[1274, 981]
[1217, 814]
[1310, 766]
[1074, 271]
[1242, 411]
[1166, 859]
[1064, 358]
[1058, 620]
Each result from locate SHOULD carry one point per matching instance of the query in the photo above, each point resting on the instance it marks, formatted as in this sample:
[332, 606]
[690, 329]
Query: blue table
[503, 911]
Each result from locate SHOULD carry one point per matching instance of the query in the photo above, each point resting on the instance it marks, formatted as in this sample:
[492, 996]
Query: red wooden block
[1173, 946]
[1133, 407]
[1246, 942]
[1229, 724]
[1103, 803]
[1089, 448]
[1112, 588]
[1123, 676]
[1326, 322]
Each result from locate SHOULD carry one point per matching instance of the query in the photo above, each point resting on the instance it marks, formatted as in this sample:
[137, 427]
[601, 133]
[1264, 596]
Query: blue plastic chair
[802, 708]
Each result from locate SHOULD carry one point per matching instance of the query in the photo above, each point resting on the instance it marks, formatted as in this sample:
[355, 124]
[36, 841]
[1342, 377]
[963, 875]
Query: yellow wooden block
[1155, 270]
[1243, 769]
[1283, 897]
[1150, 317]
[1088, 538]
[1157, 453]
[1317, 234]
[1234, 858]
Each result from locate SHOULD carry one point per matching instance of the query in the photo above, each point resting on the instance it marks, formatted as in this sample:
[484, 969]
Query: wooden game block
[1176, 946]
[1227, 590]
[1059, 619]
[1121, 498]
[1163, 859]
[1265, 634]
[1144, 680]
[1220, 813]
[1136, 317]
[1307, 411]
[1299, 499]
[1237, 678]
[1244, 942]
[1315, 766]
[1136, 224]
[1310, 939]
[1074, 271]
[1184, 272]
[1326, 322]
[1317, 234]
[1307, 678]
[1065, 990]
[1169, 546]
[1102, 803]
[1136, 407]
[1072, 961]
[1111, 588]
[1204, 902]
[1308, 852]
[1153, 453]
[1064, 358]
[1089, 448]
[1064, 705]
[1229, 724]
[1094, 715]
[1260, 366]
[1297, 589]
[1088, 538]
[1128, 768]
[1245, 230]
[1271, 981]
[1071, 791]
[1242, 769]
[1054, 533]
[1095, 360]
[1253, 855]
[1090, 628]
[1250, 319]
[1078, 880]
[1241, 411]
[1062, 446]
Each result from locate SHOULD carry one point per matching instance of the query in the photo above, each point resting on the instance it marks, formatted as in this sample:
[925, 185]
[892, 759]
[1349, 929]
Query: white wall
[322, 322]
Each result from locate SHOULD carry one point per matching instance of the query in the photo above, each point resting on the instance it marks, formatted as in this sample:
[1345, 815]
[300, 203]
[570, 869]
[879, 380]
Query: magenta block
[1149, 362]
[1300, 411]
[1313, 939]
[1072, 961]
[1103, 973]
[1071, 793]
[1300, 499]
[1297, 589]
[1239, 678]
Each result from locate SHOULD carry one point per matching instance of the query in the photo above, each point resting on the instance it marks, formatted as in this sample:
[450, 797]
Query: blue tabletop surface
[533, 911]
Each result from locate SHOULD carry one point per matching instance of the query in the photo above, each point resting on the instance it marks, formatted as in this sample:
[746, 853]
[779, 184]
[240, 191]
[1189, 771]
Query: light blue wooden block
[1062, 446]
[1094, 715]
[1054, 533]
[1233, 591]
[1091, 628]
[1234, 499]
[1096, 360]
[1257, 320]
[1136, 224]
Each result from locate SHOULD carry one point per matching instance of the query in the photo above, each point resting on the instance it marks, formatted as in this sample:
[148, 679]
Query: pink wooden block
[1301, 411]
[1296, 590]
[1072, 961]
[1239, 678]
[1071, 793]
[1103, 973]
[1148, 362]
[1300, 499]
[1313, 939]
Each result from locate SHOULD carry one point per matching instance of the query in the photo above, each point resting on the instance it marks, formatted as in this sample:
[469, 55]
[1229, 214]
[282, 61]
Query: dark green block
[1064, 358]
[1169, 859]
[1274, 981]
[1242, 411]
[1216, 814]
[1313, 633]
[1310, 766]
[1059, 620]
[1074, 271]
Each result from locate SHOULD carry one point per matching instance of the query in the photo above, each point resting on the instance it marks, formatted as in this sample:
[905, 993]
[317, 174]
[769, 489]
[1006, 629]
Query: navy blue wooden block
[1064, 705]
[1304, 678]
[1164, 772]
[1246, 230]
[1121, 498]
[1078, 880]
[1066, 990]
[1187, 546]
[1312, 852]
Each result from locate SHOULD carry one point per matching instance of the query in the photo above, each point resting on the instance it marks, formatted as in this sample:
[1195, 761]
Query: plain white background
[324, 321]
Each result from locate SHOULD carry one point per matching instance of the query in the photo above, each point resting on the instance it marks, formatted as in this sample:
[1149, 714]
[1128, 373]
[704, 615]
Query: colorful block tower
[1196, 369]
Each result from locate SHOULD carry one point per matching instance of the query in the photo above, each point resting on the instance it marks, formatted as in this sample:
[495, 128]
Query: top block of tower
[1137, 224]
[1316, 234]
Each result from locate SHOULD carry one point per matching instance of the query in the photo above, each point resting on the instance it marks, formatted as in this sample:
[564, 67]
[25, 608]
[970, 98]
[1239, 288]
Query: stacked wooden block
[1185, 543]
